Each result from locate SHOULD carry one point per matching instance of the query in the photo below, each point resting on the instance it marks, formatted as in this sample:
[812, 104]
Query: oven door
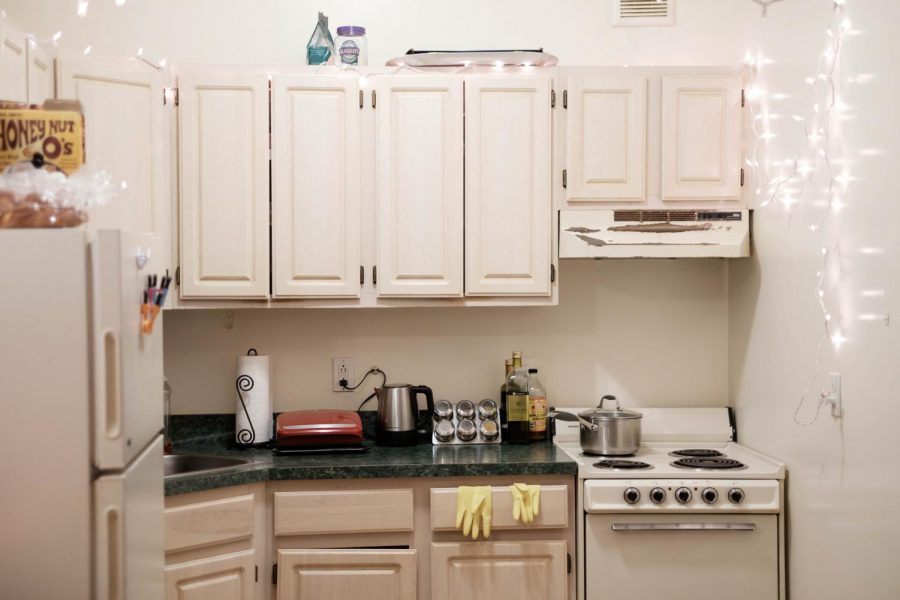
[681, 556]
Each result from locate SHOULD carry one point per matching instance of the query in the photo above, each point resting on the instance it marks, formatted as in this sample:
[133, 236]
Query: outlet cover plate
[341, 368]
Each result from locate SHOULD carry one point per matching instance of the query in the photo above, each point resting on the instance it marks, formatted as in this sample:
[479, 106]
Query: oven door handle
[684, 527]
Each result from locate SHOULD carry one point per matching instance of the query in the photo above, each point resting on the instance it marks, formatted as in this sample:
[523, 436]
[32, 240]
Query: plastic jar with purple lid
[351, 46]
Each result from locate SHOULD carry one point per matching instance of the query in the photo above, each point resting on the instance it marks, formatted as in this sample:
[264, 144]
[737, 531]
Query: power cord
[344, 385]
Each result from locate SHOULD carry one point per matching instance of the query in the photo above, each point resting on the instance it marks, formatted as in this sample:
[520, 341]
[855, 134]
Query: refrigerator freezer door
[129, 523]
[128, 376]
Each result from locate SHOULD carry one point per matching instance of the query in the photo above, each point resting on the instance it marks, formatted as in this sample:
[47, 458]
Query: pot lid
[607, 414]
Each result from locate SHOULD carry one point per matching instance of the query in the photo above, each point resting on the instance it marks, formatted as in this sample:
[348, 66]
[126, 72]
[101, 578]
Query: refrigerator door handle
[109, 384]
[110, 559]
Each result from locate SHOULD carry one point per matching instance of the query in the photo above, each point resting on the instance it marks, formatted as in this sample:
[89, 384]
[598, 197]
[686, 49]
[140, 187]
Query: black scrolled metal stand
[245, 437]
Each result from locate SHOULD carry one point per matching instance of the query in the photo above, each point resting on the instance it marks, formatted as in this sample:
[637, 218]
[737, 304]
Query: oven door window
[682, 556]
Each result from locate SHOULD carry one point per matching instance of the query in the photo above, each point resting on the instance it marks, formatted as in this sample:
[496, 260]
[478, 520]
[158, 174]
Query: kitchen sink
[180, 464]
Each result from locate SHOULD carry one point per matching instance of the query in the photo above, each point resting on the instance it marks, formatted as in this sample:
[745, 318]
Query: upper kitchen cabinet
[127, 135]
[508, 191]
[316, 185]
[419, 205]
[701, 138]
[40, 74]
[606, 138]
[13, 63]
[223, 132]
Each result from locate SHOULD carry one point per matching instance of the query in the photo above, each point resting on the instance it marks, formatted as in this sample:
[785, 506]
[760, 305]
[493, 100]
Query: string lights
[790, 181]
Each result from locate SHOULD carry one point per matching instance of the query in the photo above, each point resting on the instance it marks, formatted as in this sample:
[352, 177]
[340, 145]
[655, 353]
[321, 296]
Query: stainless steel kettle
[398, 413]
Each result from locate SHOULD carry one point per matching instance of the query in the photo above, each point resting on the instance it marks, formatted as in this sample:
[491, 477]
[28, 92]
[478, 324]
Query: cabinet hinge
[177, 275]
[565, 98]
[743, 98]
[552, 273]
[742, 177]
[565, 177]
[373, 98]
[360, 99]
[568, 563]
[552, 98]
[362, 274]
[275, 574]
[174, 95]
[374, 275]
[255, 572]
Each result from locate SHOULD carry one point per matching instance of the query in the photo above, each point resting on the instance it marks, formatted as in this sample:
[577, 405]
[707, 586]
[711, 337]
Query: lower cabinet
[532, 570]
[224, 577]
[372, 574]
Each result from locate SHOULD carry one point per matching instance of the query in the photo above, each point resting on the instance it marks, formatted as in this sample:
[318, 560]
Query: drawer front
[208, 523]
[554, 509]
[361, 511]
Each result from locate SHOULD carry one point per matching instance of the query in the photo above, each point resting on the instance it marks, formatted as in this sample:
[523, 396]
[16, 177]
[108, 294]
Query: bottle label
[349, 52]
[517, 407]
[537, 415]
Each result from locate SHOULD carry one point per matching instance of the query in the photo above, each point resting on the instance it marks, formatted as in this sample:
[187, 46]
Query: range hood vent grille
[638, 13]
[643, 216]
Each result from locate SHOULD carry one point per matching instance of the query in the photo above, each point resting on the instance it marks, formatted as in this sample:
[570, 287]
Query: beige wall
[654, 332]
[844, 482]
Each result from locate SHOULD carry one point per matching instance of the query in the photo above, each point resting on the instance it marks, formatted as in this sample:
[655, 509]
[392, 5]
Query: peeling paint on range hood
[633, 233]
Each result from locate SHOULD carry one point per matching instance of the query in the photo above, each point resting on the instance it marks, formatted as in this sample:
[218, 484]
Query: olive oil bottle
[517, 402]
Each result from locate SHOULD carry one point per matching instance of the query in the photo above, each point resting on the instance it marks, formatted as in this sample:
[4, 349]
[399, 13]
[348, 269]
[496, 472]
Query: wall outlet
[342, 370]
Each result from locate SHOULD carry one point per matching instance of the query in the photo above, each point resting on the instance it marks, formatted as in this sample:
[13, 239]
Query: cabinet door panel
[13, 64]
[343, 574]
[125, 135]
[420, 186]
[225, 577]
[316, 185]
[224, 159]
[499, 570]
[508, 200]
[606, 138]
[701, 138]
[40, 75]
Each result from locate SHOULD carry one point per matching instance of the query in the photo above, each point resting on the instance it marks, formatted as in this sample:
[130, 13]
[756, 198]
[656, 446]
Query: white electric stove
[691, 515]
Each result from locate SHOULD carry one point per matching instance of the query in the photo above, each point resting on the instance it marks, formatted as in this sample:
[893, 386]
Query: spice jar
[351, 46]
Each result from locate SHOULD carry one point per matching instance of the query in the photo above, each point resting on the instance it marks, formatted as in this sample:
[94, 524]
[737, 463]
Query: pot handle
[429, 399]
[567, 416]
[609, 397]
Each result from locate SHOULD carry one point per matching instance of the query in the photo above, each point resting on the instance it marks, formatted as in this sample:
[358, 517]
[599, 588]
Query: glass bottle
[517, 402]
[507, 370]
[537, 408]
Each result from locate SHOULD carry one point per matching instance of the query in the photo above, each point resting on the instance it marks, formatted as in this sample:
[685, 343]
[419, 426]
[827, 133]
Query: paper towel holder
[245, 383]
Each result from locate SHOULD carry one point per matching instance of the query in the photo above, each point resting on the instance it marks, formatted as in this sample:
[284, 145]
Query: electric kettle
[398, 413]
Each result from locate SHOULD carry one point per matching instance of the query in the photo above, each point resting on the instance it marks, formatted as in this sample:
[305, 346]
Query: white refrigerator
[81, 474]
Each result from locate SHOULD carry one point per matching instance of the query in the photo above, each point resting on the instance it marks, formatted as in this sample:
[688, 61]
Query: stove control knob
[736, 495]
[710, 495]
[683, 495]
[632, 495]
[657, 495]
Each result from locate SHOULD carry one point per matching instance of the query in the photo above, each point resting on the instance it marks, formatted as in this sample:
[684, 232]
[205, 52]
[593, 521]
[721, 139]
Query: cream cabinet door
[701, 138]
[508, 199]
[223, 577]
[315, 185]
[534, 570]
[419, 214]
[344, 574]
[40, 75]
[224, 167]
[13, 63]
[606, 138]
[126, 134]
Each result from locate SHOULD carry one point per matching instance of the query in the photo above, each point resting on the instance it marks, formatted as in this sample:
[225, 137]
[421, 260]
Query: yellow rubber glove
[525, 513]
[517, 501]
[463, 506]
[482, 509]
[535, 500]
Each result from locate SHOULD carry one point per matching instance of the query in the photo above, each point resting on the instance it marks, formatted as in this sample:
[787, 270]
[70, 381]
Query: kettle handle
[429, 398]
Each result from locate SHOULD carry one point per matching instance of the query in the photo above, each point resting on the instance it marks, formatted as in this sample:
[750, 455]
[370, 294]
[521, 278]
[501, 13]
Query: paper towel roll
[253, 412]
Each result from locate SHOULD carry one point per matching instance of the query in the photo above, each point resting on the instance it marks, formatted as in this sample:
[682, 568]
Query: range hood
[663, 233]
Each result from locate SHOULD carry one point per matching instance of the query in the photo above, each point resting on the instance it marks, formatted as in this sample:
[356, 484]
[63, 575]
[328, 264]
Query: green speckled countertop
[423, 460]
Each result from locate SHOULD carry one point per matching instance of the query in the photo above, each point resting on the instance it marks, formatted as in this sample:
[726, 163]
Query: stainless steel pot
[607, 431]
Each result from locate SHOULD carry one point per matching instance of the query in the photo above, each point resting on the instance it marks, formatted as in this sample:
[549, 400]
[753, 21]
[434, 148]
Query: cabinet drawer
[554, 509]
[361, 511]
[209, 523]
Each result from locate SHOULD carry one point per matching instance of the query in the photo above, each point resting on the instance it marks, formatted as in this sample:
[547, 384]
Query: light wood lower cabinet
[532, 570]
[344, 574]
[225, 577]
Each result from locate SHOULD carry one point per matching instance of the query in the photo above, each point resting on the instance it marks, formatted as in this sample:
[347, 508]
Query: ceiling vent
[643, 13]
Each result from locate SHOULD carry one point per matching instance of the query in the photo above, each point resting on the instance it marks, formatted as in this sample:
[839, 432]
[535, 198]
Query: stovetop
[736, 462]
